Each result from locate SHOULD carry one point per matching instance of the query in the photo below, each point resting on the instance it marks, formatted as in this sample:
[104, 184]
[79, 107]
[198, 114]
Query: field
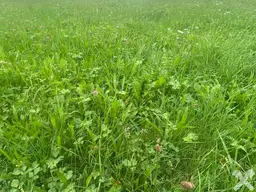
[136, 95]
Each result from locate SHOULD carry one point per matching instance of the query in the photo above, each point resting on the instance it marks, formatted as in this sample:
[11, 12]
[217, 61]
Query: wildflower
[95, 92]
[187, 185]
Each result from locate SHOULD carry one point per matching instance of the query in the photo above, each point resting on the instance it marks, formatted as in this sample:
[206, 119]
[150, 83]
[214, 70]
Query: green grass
[89, 91]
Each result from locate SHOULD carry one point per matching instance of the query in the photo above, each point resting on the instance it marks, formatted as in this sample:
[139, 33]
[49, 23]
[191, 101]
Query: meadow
[120, 96]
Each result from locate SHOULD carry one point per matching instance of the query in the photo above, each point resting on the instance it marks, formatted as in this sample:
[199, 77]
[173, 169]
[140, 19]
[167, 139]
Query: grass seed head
[158, 147]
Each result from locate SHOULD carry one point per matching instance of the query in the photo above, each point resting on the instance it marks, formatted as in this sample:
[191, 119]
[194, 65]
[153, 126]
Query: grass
[126, 95]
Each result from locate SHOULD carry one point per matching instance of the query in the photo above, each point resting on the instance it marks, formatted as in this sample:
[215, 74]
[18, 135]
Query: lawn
[127, 95]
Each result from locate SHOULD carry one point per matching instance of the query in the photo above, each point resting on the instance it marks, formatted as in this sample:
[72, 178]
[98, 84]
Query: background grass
[89, 91]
